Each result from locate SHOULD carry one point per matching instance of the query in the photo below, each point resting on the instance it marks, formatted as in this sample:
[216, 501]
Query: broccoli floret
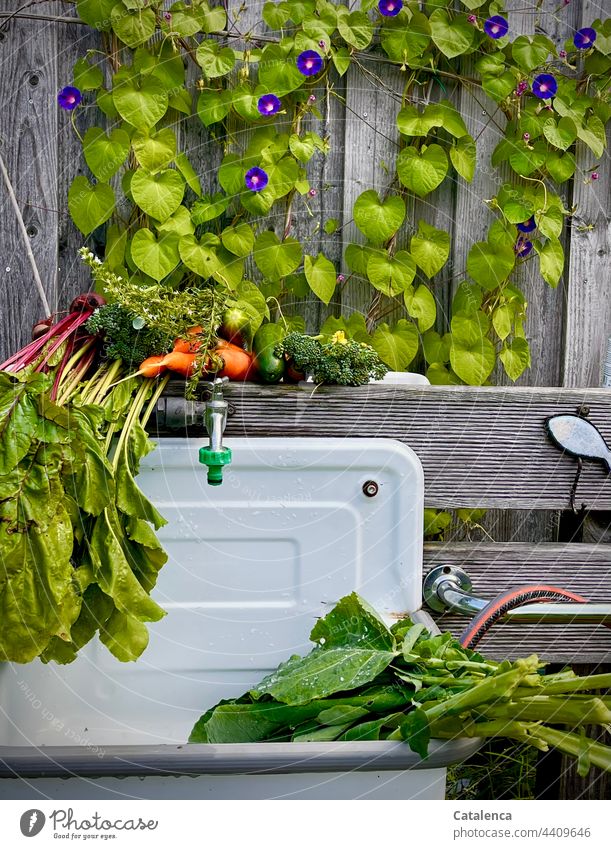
[336, 360]
[122, 341]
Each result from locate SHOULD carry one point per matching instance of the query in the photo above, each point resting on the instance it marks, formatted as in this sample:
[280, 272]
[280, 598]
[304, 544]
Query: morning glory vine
[158, 226]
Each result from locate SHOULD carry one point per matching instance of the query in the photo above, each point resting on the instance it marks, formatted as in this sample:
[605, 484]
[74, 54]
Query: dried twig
[26, 238]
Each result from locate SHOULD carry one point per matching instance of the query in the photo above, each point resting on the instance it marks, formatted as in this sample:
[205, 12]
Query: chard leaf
[416, 732]
[19, 420]
[35, 575]
[322, 673]
[113, 572]
[124, 636]
[352, 622]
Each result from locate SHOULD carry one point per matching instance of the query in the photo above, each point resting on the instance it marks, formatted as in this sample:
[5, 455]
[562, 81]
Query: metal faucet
[448, 587]
[215, 456]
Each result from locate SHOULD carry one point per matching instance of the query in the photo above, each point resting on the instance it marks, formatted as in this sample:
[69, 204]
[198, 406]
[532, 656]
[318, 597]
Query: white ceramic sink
[252, 563]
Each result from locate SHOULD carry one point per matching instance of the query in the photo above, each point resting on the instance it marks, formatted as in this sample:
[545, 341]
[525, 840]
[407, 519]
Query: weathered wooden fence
[567, 327]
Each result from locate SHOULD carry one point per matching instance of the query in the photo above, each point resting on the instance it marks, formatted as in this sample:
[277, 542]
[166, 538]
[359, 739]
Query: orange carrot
[189, 346]
[152, 366]
[238, 364]
[181, 363]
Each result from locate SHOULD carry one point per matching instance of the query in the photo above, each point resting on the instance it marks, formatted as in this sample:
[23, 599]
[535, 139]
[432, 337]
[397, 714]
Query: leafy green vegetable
[123, 341]
[366, 681]
[338, 360]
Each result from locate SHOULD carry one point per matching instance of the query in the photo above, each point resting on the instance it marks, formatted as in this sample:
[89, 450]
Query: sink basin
[296, 524]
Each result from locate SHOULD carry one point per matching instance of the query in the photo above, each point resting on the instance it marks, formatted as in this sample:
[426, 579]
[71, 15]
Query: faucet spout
[215, 455]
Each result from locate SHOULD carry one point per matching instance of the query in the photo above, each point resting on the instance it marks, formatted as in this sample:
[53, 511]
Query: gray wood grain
[28, 129]
[588, 309]
[73, 276]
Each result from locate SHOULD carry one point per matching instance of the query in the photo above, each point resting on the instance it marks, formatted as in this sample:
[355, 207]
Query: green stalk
[601, 681]
[154, 398]
[560, 711]
[495, 688]
[573, 744]
[102, 388]
[131, 419]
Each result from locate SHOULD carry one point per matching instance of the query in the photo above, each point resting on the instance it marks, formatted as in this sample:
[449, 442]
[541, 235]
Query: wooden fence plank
[28, 89]
[480, 447]
[588, 312]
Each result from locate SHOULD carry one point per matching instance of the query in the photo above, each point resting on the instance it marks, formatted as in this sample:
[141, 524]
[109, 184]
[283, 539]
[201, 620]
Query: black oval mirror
[579, 437]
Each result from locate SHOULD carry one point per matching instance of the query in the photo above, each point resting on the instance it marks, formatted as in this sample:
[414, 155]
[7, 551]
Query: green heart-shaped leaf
[140, 100]
[355, 28]
[464, 155]
[302, 147]
[321, 276]
[215, 60]
[239, 239]
[422, 306]
[421, 171]
[155, 257]
[411, 122]
[376, 219]
[430, 248]
[562, 134]
[560, 168]
[472, 354]
[502, 318]
[406, 43]
[200, 257]
[159, 195]
[530, 52]
[179, 222]
[489, 264]
[277, 72]
[594, 135]
[90, 205]
[515, 358]
[396, 346]
[213, 106]
[524, 160]
[96, 13]
[436, 348]
[448, 118]
[391, 274]
[452, 36]
[155, 151]
[498, 87]
[468, 298]
[276, 259]
[551, 261]
[105, 155]
[133, 27]
[87, 77]
[550, 222]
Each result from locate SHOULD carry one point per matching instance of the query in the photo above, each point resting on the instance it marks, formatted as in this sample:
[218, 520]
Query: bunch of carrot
[185, 359]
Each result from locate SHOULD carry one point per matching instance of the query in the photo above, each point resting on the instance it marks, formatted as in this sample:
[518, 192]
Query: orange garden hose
[509, 600]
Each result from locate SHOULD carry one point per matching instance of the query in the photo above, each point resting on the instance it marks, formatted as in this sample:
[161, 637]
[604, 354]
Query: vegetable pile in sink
[365, 681]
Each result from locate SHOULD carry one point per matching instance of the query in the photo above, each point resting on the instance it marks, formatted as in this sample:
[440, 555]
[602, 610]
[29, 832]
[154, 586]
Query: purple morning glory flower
[269, 104]
[256, 179]
[584, 38]
[527, 226]
[309, 63]
[544, 86]
[523, 247]
[69, 97]
[390, 8]
[496, 26]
